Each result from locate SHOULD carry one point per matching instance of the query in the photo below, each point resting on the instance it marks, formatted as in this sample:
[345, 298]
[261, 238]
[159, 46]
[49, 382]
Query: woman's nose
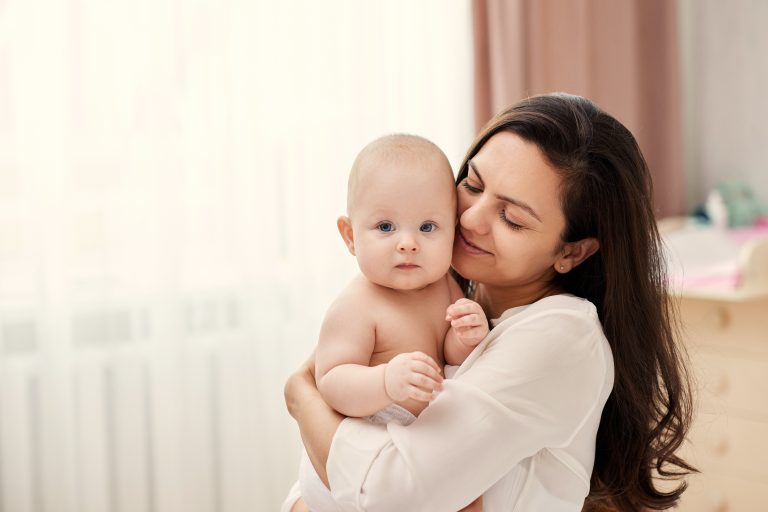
[474, 218]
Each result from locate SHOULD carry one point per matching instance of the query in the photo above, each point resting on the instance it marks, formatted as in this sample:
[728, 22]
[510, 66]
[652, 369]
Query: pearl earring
[562, 268]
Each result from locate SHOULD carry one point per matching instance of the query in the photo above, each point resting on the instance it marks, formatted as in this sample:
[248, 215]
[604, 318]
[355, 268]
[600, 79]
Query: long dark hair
[606, 193]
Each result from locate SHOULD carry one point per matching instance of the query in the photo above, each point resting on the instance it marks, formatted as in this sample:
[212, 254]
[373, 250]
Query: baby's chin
[406, 284]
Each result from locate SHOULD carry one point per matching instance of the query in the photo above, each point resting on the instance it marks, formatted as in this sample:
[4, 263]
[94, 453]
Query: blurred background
[170, 176]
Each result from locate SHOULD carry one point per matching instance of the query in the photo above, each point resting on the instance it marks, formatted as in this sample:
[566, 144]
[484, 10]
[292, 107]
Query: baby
[386, 337]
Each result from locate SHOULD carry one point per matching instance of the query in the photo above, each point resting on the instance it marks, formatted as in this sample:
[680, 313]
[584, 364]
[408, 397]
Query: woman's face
[510, 218]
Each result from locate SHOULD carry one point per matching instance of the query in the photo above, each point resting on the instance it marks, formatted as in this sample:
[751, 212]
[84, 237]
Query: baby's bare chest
[411, 326]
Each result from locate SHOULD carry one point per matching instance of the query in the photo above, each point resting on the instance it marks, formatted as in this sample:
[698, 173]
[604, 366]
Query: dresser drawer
[739, 325]
[729, 446]
[730, 384]
[708, 493]
[728, 441]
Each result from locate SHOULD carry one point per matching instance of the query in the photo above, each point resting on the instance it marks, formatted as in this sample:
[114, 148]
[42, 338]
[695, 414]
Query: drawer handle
[718, 502]
[722, 384]
[721, 317]
[721, 445]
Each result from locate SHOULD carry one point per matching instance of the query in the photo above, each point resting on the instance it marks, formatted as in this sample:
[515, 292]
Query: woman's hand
[300, 386]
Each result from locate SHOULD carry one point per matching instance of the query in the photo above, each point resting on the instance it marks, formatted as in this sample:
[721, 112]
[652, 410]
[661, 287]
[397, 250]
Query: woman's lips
[470, 247]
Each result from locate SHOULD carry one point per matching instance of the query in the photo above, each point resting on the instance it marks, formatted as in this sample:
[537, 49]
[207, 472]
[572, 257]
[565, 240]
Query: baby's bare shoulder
[356, 301]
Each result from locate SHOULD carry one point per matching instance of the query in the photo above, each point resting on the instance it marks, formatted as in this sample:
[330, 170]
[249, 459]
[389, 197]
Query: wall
[725, 80]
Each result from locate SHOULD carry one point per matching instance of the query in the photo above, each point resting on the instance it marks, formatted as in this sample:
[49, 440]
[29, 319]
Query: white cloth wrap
[316, 495]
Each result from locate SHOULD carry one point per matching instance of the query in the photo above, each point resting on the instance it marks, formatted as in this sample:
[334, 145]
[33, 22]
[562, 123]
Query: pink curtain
[620, 54]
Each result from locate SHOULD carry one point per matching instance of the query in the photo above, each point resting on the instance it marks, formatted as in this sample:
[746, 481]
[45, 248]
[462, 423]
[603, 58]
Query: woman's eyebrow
[471, 165]
[516, 202]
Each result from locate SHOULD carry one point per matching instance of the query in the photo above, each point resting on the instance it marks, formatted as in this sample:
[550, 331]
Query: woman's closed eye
[470, 188]
[512, 225]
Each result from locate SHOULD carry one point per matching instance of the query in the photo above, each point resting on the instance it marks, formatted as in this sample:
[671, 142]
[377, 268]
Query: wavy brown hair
[606, 193]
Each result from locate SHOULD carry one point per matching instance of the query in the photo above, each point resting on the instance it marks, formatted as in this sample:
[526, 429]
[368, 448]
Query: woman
[579, 395]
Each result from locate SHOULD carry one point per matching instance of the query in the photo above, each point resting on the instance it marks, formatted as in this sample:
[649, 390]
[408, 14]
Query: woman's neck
[496, 300]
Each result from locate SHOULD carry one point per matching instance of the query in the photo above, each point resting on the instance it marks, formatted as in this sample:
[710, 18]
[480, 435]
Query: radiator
[144, 406]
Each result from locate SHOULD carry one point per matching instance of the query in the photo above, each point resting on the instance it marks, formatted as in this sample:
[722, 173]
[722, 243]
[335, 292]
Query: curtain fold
[622, 55]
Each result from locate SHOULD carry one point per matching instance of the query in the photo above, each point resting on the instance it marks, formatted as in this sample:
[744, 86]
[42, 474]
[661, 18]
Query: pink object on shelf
[744, 235]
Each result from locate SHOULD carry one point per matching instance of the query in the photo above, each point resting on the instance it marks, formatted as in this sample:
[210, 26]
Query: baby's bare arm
[347, 383]
[347, 340]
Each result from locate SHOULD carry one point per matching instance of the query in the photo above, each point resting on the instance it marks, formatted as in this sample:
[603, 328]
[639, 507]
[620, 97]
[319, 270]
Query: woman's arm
[317, 421]
[532, 387]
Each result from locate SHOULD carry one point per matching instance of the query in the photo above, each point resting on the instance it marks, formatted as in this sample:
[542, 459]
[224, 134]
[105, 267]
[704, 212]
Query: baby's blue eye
[427, 227]
[386, 227]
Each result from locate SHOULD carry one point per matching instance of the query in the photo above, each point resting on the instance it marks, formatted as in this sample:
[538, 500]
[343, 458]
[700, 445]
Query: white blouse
[516, 423]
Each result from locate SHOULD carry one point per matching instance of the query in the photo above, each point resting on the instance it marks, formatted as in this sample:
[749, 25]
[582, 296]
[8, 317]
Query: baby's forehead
[404, 204]
[403, 217]
[404, 189]
[401, 162]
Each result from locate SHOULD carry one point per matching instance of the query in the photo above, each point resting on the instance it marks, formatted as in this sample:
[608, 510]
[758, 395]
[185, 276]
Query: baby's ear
[345, 230]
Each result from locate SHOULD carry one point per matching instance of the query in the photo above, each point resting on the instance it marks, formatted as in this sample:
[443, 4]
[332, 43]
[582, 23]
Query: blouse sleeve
[533, 388]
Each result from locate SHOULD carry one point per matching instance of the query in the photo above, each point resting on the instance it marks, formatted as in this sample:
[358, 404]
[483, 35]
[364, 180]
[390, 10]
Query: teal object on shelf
[734, 204]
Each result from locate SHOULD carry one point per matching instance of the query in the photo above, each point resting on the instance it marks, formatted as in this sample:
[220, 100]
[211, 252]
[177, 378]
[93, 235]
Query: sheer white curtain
[170, 176]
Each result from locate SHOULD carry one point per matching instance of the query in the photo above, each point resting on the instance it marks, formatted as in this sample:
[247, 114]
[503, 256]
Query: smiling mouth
[470, 247]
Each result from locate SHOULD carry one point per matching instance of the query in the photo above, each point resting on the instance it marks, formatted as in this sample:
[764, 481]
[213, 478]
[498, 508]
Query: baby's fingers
[425, 383]
[470, 320]
[428, 371]
[462, 307]
[419, 394]
[472, 331]
[421, 357]
[472, 336]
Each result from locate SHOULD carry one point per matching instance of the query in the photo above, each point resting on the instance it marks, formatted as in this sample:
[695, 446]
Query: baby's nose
[407, 244]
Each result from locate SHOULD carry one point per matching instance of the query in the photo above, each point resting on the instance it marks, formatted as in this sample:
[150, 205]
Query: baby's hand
[468, 321]
[412, 375]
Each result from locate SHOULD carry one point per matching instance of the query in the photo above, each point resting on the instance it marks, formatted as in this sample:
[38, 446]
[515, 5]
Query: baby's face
[403, 222]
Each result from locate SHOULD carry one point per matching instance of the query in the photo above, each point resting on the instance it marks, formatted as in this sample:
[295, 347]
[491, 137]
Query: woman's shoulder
[555, 345]
[561, 327]
[566, 307]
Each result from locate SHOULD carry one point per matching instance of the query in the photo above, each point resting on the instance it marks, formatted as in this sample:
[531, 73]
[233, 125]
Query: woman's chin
[464, 268]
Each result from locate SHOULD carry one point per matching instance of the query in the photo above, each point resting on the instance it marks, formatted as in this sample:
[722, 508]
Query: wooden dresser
[726, 334]
[727, 339]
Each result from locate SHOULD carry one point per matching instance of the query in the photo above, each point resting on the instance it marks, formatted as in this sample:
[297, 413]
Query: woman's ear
[574, 253]
[345, 230]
